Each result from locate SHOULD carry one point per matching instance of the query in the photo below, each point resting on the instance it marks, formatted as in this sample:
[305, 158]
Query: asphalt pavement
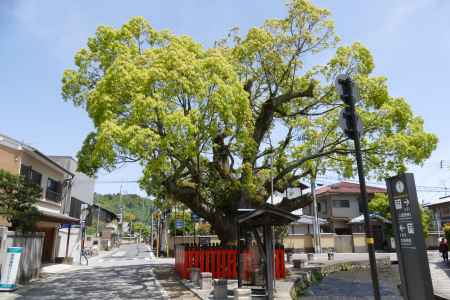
[126, 273]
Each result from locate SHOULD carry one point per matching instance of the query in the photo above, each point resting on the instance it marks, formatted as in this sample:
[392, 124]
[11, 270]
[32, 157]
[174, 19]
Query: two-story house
[81, 192]
[440, 210]
[55, 182]
[338, 204]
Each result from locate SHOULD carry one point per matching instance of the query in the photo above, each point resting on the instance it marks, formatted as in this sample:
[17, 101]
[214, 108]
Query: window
[53, 190]
[30, 174]
[341, 203]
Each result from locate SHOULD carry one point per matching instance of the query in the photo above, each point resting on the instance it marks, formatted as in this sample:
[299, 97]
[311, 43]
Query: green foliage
[188, 228]
[140, 228]
[380, 205]
[198, 120]
[129, 217]
[425, 219]
[18, 198]
[203, 229]
[447, 231]
[280, 232]
[136, 208]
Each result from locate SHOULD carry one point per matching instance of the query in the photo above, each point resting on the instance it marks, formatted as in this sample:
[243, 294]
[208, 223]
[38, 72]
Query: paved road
[127, 273]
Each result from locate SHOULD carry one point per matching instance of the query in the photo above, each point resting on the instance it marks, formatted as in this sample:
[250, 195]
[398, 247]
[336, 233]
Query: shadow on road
[169, 281]
[124, 282]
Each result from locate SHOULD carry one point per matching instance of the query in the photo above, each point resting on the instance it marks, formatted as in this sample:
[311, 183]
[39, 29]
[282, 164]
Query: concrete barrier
[205, 280]
[195, 276]
[220, 289]
[242, 294]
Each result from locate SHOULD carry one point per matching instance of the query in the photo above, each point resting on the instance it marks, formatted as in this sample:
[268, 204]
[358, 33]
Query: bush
[18, 197]
[447, 231]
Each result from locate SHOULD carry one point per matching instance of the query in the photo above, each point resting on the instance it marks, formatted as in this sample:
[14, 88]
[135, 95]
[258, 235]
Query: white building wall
[82, 185]
[345, 212]
[74, 243]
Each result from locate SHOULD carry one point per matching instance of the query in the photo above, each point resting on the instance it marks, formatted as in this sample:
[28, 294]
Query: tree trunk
[226, 228]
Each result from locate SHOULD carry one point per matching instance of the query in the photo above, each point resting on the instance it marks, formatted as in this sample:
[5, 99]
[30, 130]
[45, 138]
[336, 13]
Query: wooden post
[268, 243]
[68, 240]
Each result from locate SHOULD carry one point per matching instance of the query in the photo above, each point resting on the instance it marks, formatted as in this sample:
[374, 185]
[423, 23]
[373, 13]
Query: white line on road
[120, 253]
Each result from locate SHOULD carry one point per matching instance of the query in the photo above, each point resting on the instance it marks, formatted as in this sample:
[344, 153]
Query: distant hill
[135, 204]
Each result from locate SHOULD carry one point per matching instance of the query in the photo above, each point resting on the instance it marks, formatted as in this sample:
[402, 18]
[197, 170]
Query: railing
[221, 262]
[52, 196]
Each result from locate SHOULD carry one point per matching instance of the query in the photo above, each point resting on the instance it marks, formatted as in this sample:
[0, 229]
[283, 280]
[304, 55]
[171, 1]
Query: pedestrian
[443, 248]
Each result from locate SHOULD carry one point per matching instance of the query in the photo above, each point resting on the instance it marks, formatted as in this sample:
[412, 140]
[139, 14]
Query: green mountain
[131, 203]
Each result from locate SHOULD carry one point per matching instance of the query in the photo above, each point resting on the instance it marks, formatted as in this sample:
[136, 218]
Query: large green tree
[203, 123]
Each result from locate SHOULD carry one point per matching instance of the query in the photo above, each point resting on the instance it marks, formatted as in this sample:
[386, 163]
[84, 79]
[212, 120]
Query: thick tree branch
[265, 118]
[295, 203]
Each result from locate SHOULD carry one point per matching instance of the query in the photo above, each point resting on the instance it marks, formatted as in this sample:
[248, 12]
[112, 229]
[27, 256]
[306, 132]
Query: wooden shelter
[258, 223]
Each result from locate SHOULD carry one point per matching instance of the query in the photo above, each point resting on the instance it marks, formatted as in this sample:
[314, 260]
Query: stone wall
[304, 242]
[359, 242]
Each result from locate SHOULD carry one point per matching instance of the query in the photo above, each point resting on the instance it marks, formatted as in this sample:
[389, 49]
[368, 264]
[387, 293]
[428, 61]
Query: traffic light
[348, 120]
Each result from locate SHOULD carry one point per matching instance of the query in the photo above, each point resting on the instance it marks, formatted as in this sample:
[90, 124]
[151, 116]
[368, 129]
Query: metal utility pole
[352, 127]
[271, 202]
[98, 219]
[151, 228]
[316, 225]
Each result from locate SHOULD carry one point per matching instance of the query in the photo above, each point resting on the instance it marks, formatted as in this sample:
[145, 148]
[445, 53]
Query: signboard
[10, 268]
[204, 241]
[179, 224]
[195, 218]
[409, 238]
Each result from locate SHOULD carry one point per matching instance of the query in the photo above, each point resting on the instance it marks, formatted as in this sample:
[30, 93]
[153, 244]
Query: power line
[116, 181]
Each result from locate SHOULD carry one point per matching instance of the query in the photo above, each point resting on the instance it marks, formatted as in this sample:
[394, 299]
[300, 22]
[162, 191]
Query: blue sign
[194, 217]
[179, 224]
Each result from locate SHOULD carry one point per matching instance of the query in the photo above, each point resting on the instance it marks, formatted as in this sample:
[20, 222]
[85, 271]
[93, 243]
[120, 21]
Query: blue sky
[409, 39]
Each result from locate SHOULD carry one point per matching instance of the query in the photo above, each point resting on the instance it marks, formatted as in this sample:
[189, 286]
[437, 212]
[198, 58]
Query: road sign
[179, 224]
[195, 218]
[409, 238]
[204, 241]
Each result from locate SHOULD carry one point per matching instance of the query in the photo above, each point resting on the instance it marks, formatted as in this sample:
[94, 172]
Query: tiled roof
[345, 187]
[442, 200]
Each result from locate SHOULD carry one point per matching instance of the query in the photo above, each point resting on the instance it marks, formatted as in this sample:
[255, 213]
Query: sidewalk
[440, 274]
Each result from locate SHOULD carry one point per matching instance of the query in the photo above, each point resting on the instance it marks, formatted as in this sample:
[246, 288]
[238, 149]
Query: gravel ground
[356, 285]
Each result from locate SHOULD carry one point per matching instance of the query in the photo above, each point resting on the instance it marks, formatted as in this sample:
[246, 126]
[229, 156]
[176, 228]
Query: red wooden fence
[221, 262]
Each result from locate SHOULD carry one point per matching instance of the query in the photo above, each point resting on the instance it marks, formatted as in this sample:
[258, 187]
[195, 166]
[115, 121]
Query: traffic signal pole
[353, 132]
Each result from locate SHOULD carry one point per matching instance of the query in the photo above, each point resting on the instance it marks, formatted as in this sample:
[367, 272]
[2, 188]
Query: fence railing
[221, 262]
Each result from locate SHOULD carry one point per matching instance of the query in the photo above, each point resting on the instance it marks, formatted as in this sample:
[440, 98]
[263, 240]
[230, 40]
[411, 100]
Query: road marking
[120, 253]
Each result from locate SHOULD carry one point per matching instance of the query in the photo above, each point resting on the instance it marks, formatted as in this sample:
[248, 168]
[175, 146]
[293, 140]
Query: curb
[192, 291]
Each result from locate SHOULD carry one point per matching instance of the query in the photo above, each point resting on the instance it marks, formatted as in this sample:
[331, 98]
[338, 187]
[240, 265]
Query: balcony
[52, 196]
